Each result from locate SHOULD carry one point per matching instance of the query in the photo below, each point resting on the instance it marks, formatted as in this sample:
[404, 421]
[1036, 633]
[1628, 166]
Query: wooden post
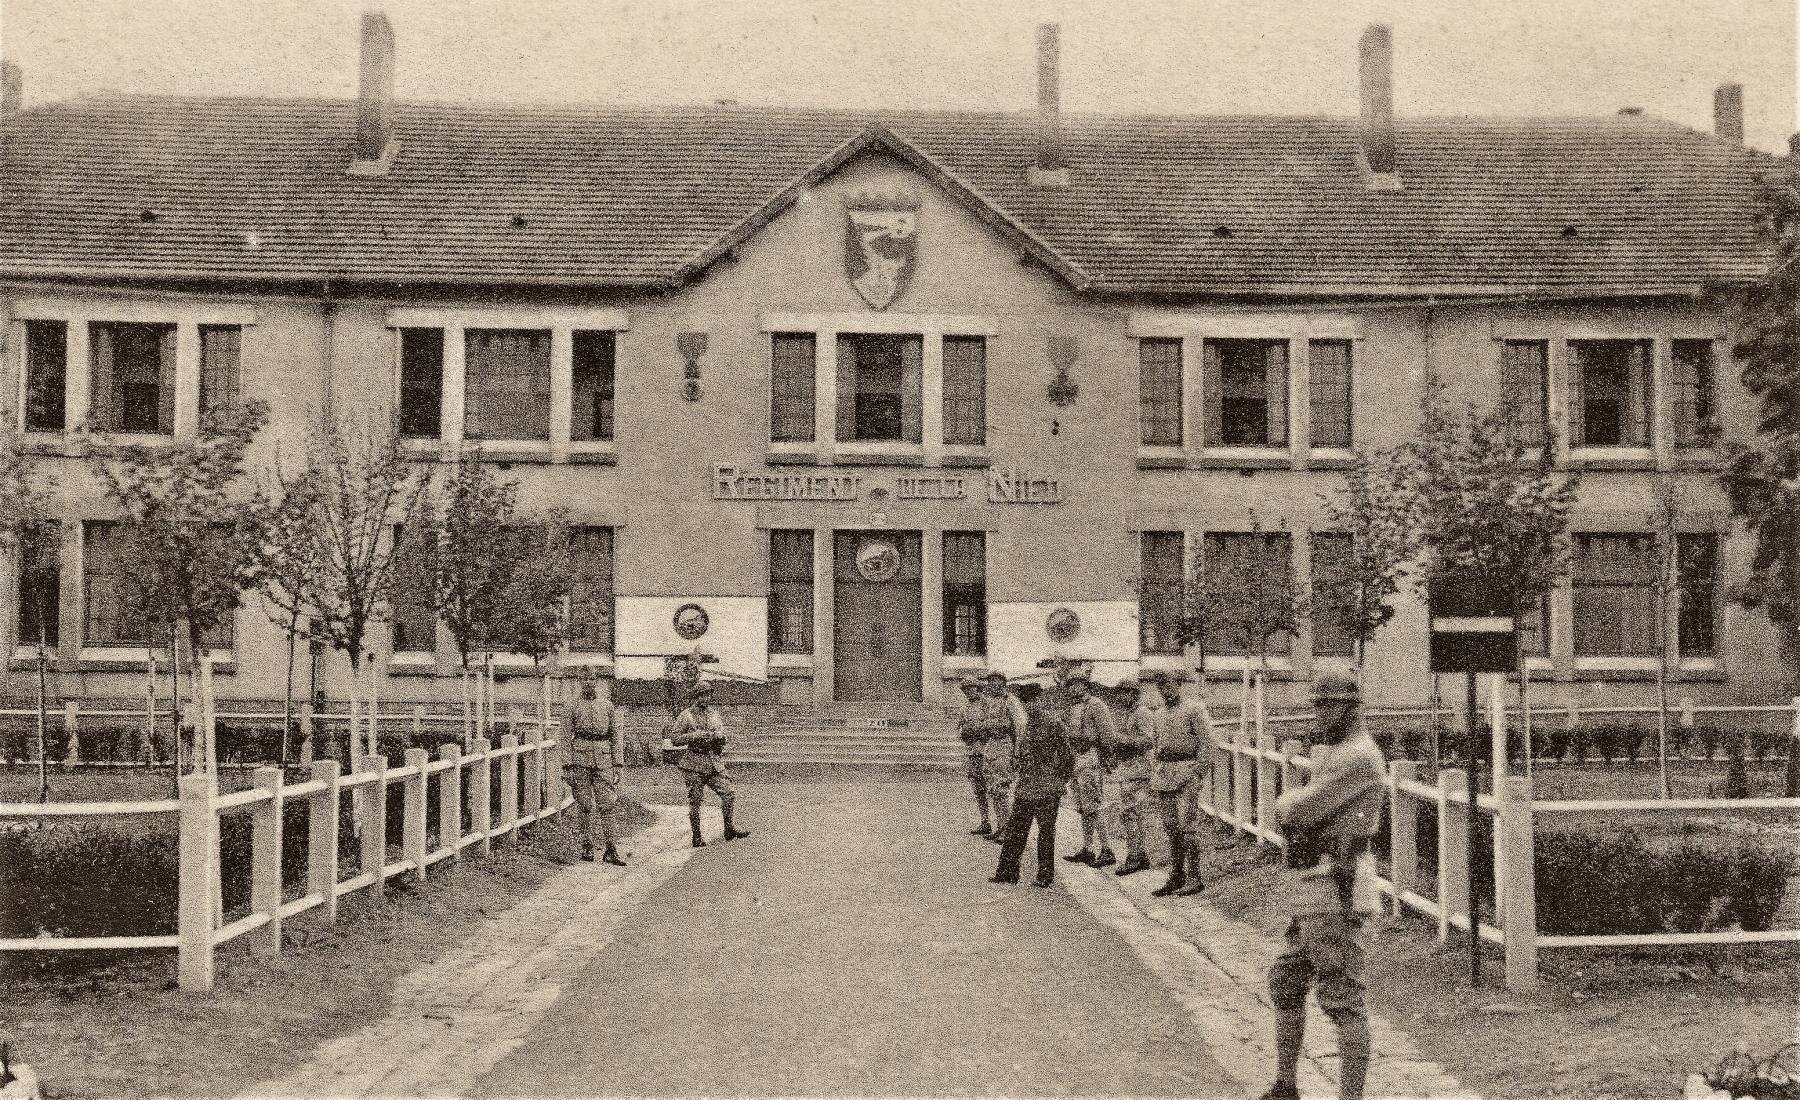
[412, 817]
[481, 805]
[306, 735]
[531, 766]
[72, 727]
[509, 782]
[1497, 726]
[1453, 842]
[1266, 778]
[265, 863]
[1518, 911]
[209, 715]
[322, 839]
[199, 869]
[1241, 777]
[1291, 750]
[374, 826]
[418, 720]
[450, 798]
[1403, 833]
[374, 699]
[468, 710]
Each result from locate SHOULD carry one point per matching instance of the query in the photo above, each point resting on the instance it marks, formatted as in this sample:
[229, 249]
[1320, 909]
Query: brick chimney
[12, 87]
[375, 101]
[1049, 169]
[1376, 68]
[1728, 112]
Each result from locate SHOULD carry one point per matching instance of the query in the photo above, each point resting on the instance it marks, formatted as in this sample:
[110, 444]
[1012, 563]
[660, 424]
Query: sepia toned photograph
[900, 548]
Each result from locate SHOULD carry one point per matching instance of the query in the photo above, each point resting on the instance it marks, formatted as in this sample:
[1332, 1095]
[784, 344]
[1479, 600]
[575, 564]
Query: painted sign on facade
[1008, 486]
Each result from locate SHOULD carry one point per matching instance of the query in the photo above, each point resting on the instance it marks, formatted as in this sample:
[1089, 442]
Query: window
[1329, 393]
[1334, 595]
[1160, 592]
[132, 378]
[1609, 393]
[1246, 388]
[40, 585]
[1256, 568]
[792, 360]
[1525, 390]
[591, 589]
[112, 617]
[1696, 411]
[220, 368]
[790, 591]
[1159, 393]
[1697, 575]
[965, 390]
[879, 380]
[965, 593]
[46, 375]
[411, 606]
[591, 386]
[421, 382]
[507, 384]
[1615, 597]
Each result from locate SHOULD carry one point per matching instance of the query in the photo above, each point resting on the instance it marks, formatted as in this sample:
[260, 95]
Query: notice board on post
[1472, 626]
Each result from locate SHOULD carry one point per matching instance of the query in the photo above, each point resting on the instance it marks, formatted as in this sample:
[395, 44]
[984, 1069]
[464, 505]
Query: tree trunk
[287, 700]
[43, 741]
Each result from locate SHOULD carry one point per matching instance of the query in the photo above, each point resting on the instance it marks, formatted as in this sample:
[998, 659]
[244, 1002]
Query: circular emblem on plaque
[877, 560]
[1062, 625]
[691, 621]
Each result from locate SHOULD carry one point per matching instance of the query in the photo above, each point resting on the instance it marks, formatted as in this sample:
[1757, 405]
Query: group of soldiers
[1020, 761]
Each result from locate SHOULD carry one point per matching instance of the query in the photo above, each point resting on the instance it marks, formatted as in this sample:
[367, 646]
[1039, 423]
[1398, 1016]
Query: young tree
[534, 613]
[25, 524]
[470, 552]
[1372, 512]
[1236, 596]
[289, 575]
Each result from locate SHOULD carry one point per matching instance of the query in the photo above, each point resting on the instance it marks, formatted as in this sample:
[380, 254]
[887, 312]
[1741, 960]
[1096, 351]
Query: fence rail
[526, 774]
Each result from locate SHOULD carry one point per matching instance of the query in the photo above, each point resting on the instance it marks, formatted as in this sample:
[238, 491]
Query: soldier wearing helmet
[1092, 733]
[1004, 719]
[593, 768]
[1131, 768]
[1183, 755]
[972, 727]
[701, 730]
[1327, 825]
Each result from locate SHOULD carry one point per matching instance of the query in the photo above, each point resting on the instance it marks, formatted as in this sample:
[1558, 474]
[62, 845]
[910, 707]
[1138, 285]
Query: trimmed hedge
[1620, 883]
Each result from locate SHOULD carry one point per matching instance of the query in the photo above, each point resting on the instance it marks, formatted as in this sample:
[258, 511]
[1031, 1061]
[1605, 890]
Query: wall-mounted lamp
[691, 345]
[1063, 351]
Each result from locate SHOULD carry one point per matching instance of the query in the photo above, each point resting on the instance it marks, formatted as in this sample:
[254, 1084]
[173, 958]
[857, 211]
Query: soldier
[593, 769]
[701, 730]
[1092, 734]
[1327, 825]
[971, 727]
[1004, 722]
[1183, 754]
[1131, 770]
[1044, 762]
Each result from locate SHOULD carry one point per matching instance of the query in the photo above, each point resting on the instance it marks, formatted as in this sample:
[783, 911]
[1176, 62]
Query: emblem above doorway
[877, 560]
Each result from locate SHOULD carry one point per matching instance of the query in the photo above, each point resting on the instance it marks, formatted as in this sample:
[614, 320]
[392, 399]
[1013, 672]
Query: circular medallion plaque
[691, 621]
[1062, 625]
[877, 560]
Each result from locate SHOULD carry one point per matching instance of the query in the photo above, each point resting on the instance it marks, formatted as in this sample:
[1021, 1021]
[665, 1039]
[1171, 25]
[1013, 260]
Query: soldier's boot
[981, 803]
[731, 831]
[1134, 863]
[694, 825]
[587, 851]
[611, 855]
[1353, 1052]
[1105, 858]
[1290, 1035]
[1177, 868]
[1195, 882]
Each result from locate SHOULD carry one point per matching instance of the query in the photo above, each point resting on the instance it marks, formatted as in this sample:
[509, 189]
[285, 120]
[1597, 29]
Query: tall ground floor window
[1697, 573]
[114, 614]
[791, 591]
[1615, 596]
[1159, 592]
[965, 593]
[1333, 595]
[411, 607]
[591, 589]
[1256, 568]
[40, 586]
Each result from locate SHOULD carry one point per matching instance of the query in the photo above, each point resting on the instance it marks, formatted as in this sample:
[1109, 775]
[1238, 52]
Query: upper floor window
[791, 591]
[1246, 390]
[1696, 408]
[46, 375]
[506, 384]
[965, 390]
[879, 382]
[1160, 592]
[1159, 392]
[591, 386]
[1609, 393]
[1525, 389]
[1330, 400]
[421, 382]
[1614, 580]
[793, 360]
[965, 593]
[131, 379]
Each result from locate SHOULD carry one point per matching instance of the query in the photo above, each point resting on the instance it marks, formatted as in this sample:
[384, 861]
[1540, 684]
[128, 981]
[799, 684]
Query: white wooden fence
[528, 775]
[1251, 769]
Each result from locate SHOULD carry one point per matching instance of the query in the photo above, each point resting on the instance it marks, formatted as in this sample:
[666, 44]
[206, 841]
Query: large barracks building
[856, 402]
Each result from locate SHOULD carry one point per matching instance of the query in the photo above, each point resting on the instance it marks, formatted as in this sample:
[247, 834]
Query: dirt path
[854, 947]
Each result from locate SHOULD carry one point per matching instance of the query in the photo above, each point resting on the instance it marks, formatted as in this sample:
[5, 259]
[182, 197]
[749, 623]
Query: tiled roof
[158, 187]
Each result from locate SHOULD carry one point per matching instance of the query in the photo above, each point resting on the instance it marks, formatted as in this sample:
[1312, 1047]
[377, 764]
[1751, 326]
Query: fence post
[265, 863]
[1793, 760]
[418, 722]
[1291, 750]
[412, 814]
[531, 766]
[1453, 839]
[1518, 913]
[72, 727]
[374, 835]
[450, 799]
[1403, 832]
[1240, 784]
[553, 773]
[1265, 788]
[199, 869]
[322, 839]
[509, 782]
[481, 799]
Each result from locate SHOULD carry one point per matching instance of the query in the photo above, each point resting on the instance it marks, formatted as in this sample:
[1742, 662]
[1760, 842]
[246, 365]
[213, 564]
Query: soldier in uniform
[1044, 762]
[972, 728]
[1004, 722]
[700, 729]
[595, 763]
[1183, 754]
[1131, 770]
[1092, 733]
[1327, 825]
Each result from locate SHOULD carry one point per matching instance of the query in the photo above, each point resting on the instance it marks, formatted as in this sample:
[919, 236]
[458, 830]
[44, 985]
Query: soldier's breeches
[596, 802]
[1134, 804]
[978, 780]
[999, 795]
[698, 783]
[1323, 954]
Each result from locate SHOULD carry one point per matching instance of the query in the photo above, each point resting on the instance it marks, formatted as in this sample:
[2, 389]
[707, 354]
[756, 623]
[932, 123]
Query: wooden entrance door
[876, 622]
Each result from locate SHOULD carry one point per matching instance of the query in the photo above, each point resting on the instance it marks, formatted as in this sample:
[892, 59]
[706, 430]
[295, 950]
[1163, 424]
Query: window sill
[966, 456]
[1161, 458]
[1331, 458]
[1612, 458]
[791, 666]
[413, 664]
[1236, 663]
[908, 454]
[591, 455]
[504, 453]
[1698, 458]
[792, 455]
[964, 662]
[104, 443]
[1246, 458]
[111, 660]
[46, 443]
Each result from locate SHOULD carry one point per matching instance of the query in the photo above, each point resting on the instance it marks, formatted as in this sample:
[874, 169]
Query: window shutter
[846, 388]
[165, 381]
[1211, 393]
[1577, 398]
[1637, 391]
[1277, 394]
[912, 381]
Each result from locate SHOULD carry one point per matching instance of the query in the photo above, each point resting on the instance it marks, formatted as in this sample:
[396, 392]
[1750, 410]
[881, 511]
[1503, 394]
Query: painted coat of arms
[881, 246]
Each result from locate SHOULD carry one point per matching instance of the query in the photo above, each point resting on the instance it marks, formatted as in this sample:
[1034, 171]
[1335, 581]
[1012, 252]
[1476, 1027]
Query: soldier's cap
[704, 687]
[1335, 685]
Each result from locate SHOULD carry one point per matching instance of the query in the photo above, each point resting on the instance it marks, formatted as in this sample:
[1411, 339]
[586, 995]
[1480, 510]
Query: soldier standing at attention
[1183, 751]
[971, 727]
[1131, 770]
[1327, 825]
[595, 763]
[1003, 720]
[1092, 734]
[701, 730]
